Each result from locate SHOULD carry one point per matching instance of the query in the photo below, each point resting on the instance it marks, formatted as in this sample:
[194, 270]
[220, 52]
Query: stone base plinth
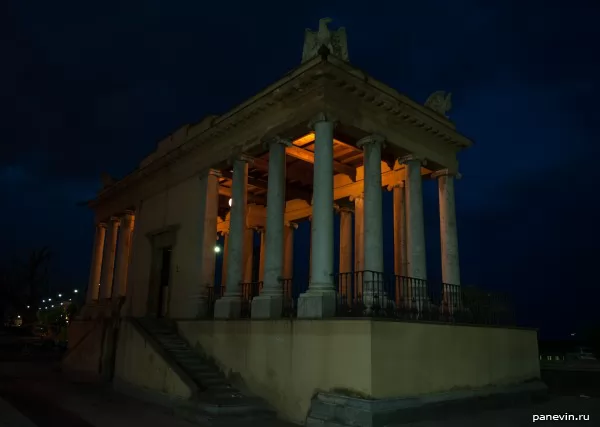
[338, 410]
[316, 304]
[228, 308]
[267, 307]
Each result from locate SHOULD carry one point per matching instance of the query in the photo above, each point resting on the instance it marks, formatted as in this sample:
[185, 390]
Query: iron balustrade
[376, 294]
[249, 291]
[292, 288]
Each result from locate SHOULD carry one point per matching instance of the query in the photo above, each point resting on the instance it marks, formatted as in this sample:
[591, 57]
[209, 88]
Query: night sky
[87, 88]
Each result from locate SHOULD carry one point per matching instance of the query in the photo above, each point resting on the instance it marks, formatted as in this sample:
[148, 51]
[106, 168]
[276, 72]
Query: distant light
[69, 299]
[46, 308]
[573, 334]
[75, 290]
[217, 249]
[52, 305]
[60, 295]
[19, 316]
[49, 299]
[230, 201]
[43, 300]
[27, 306]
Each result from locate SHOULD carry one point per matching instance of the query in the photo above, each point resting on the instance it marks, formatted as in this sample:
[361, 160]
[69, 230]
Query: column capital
[101, 224]
[400, 184]
[446, 172]
[360, 196]
[345, 209]
[214, 172]
[223, 232]
[267, 142]
[115, 220]
[128, 217]
[412, 157]
[242, 157]
[292, 225]
[321, 117]
[371, 139]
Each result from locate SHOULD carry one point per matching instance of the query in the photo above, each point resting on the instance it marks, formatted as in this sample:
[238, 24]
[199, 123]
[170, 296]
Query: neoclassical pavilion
[299, 150]
[327, 139]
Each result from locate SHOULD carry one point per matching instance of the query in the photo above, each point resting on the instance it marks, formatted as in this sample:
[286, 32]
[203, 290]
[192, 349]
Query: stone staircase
[215, 402]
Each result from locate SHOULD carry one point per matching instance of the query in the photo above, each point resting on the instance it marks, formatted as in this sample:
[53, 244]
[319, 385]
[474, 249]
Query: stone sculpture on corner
[335, 41]
[439, 102]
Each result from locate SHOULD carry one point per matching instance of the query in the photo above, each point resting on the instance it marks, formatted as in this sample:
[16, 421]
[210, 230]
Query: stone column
[415, 236]
[261, 265]
[345, 240]
[288, 258]
[229, 306]
[108, 259]
[310, 250]
[288, 251]
[248, 254]
[373, 220]
[96, 265]
[269, 304]
[225, 251]
[359, 247]
[398, 193]
[319, 300]
[400, 267]
[207, 234]
[449, 238]
[345, 280]
[123, 253]
[415, 232]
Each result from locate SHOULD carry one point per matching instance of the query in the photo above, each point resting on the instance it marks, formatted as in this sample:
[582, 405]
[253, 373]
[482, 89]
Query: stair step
[197, 366]
[211, 381]
[205, 375]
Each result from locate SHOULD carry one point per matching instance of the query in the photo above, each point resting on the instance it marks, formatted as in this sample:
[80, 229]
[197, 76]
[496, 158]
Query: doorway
[164, 279]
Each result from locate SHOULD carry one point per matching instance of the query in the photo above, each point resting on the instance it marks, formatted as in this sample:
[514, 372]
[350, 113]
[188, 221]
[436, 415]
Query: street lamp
[230, 201]
[60, 295]
[75, 290]
[217, 249]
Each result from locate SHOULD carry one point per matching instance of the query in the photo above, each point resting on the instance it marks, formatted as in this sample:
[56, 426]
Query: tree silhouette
[22, 281]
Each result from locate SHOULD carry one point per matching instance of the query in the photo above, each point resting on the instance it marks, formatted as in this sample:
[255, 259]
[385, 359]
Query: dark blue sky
[89, 88]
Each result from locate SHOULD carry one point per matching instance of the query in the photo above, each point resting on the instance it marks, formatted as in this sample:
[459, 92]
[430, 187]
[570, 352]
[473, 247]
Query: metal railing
[375, 294]
[249, 290]
[291, 291]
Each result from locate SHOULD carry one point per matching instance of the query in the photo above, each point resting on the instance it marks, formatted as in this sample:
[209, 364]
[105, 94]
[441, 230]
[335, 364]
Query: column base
[317, 304]
[267, 307]
[375, 302]
[228, 308]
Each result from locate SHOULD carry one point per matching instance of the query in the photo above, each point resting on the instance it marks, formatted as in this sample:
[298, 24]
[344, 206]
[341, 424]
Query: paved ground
[34, 394]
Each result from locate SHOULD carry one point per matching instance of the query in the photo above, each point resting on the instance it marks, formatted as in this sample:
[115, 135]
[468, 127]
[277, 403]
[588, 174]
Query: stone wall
[84, 354]
[139, 365]
[288, 362]
[179, 206]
